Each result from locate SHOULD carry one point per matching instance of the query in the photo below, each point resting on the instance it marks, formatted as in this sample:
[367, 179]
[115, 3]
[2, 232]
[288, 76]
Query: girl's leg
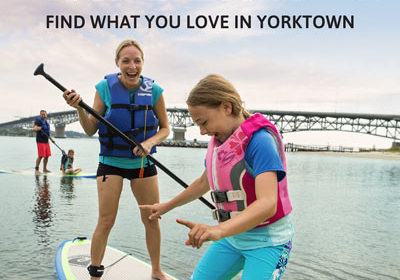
[77, 170]
[221, 261]
[109, 193]
[146, 192]
[267, 263]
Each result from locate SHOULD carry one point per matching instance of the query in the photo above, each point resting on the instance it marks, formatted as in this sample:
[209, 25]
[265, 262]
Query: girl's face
[218, 122]
[130, 63]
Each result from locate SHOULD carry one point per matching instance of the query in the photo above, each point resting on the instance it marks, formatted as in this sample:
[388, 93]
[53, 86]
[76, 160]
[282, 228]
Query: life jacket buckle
[221, 215]
[227, 196]
[219, 196]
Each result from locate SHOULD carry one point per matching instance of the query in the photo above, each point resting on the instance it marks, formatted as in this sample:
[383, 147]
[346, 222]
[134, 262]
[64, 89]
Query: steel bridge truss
[387, 126]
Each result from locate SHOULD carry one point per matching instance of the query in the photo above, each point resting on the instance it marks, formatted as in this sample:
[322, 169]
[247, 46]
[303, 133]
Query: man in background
[42, 129]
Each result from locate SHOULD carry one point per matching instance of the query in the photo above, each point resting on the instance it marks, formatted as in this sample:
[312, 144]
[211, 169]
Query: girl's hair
[71, 151]
[128, 43]
[212, 90]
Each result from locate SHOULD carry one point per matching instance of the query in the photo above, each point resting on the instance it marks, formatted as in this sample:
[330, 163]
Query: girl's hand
[199, 233]
[72, 98]
[156, 210]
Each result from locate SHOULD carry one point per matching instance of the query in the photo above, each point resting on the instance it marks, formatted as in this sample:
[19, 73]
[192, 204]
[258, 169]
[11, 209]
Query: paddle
[131, 141]
[54, 142]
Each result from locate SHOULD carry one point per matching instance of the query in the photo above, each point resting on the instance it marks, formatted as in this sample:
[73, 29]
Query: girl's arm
[264, 207]
[261, 209]
[196, 189]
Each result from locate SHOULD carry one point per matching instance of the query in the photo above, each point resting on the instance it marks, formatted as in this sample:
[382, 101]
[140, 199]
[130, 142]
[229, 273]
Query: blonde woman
[135, 105]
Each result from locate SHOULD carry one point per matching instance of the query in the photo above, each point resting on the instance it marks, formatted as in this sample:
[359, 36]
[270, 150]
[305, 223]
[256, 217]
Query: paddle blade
[39, 70]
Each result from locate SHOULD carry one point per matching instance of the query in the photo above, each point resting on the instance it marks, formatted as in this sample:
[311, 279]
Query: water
[346, 213]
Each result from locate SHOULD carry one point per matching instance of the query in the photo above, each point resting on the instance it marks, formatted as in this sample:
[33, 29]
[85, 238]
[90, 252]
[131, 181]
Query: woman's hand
[156, 210]
[199, 233]
[147, 145]
[72, 98]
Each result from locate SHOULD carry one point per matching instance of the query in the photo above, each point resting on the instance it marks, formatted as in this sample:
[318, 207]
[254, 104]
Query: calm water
[346, 213]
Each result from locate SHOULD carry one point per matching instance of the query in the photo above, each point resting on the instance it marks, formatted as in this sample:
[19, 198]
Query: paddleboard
[53, 174]
[81, 175]
[73, 258]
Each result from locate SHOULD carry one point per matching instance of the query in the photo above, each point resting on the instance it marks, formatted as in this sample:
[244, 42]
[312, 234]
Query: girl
[246, 171]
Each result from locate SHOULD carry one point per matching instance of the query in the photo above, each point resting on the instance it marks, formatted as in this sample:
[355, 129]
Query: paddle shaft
[54, 142]
[131, 141]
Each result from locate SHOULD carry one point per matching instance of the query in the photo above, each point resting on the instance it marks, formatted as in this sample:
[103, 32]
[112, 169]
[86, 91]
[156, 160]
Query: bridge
[381, 125]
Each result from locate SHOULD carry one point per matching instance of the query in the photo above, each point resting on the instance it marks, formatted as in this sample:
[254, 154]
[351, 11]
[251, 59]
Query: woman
[246, 171]
[135, 105]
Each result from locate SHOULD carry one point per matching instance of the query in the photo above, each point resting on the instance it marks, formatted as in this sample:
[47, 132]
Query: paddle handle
[131, 141]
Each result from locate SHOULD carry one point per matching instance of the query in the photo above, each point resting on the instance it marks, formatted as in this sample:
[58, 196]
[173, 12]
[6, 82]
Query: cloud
[296, 70]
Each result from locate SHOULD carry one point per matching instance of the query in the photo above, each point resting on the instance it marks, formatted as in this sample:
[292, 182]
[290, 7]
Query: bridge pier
[60, 130]
[179, 133]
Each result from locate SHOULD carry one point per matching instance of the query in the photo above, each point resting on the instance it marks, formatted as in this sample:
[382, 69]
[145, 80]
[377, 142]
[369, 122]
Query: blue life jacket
[66, 161]
[135, 119]
[45, 131]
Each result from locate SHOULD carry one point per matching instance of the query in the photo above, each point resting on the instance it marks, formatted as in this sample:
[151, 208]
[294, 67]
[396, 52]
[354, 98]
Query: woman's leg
[145, 191]
[109, 192]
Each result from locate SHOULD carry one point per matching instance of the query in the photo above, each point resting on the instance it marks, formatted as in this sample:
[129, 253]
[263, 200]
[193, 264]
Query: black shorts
[104, 169]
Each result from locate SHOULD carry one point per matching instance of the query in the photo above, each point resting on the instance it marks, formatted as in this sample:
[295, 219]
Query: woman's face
[130, 63]
[218, 122]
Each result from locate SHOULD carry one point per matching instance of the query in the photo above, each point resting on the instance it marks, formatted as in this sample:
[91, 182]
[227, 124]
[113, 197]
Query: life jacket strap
[227, 196]
[222, 215]
[134, 131]
[116, 146]
[132, 107]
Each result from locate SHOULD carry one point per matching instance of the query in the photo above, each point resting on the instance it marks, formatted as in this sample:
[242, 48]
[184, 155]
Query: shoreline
[370, 155]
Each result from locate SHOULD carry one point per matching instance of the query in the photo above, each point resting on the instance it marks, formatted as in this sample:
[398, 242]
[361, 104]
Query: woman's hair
[212, 90]
[128, 43]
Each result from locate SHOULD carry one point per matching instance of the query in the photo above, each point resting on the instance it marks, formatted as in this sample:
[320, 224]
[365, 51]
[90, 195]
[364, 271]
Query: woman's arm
[88, 122]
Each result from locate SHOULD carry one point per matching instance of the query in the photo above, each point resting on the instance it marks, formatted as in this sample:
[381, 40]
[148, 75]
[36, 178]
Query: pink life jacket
[233, 188]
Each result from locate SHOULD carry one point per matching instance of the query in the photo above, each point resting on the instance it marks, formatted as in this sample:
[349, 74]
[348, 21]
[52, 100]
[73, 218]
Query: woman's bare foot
[160, 276]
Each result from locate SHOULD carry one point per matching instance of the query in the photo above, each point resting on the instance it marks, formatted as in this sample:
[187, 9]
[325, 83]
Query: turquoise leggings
[222, 261]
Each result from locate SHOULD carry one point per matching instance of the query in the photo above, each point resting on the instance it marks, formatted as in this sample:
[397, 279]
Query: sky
[309, 69]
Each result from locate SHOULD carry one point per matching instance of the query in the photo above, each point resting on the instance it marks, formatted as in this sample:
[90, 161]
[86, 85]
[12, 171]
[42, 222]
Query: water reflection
[67, 188]
[42, 209]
